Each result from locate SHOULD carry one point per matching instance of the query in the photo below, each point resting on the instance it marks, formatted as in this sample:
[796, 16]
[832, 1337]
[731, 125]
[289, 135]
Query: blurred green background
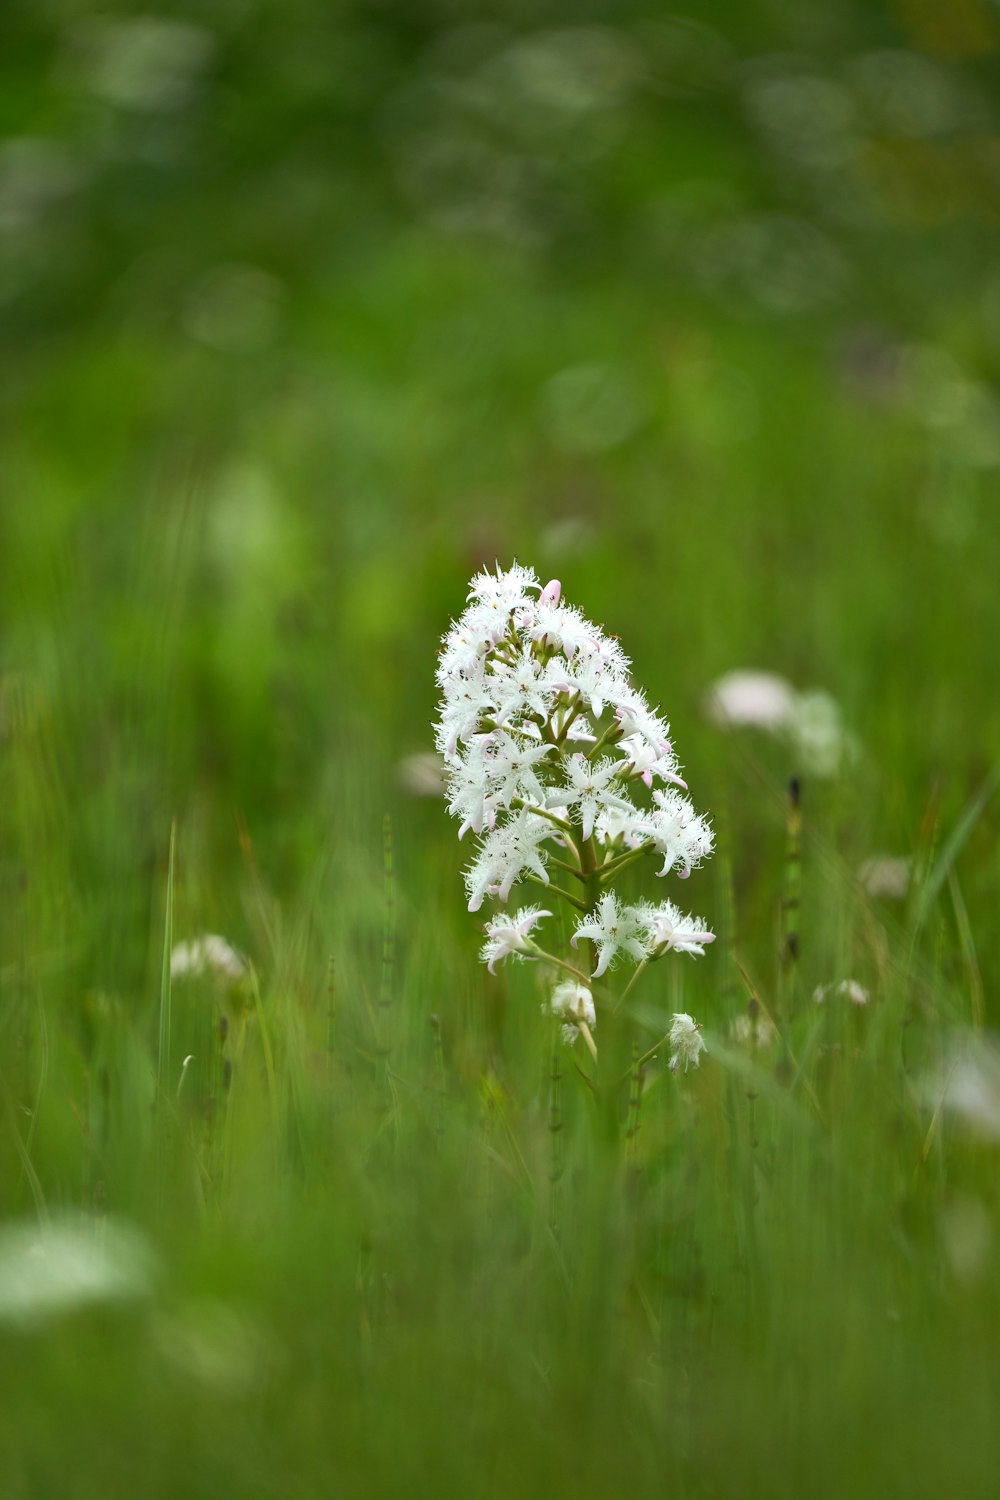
[311, 309]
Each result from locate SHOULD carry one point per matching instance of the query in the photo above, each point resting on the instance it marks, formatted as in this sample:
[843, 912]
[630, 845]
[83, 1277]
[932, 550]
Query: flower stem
[560, 963]
[556, 890]
[609, 870]
[626, 991]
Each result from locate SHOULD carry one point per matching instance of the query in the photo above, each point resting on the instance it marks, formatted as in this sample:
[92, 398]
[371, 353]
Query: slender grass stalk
[383, 1038]
[968, 945]
[556, 1164]
[953, 846]
[163, 1049]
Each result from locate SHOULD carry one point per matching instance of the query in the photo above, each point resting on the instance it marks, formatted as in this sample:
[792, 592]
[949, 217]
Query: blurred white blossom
[574, 1005]
[422, 775]
[761, 700]
[850, 989]
[885, 875]
[966, 1084]
[686, 1042]
[139, 62]
[967, 1236]
[63, 1266]
[756, 1032]
[209, 955]
[809, 722]
[217, 1346]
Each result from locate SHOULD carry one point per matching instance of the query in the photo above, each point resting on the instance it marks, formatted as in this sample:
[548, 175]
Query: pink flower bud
[551, 592]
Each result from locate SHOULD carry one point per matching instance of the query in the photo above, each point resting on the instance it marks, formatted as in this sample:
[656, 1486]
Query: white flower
[526, 681]
[561, 627]
[521, 687]
[680, 835]
[575, 1004]
[506, 854]
[209, 954]
[588, 790]
[613, 929]
[686, 1042]
[509, 934]
[469, 789]
[590, 676]
[504, 591]
[636, 718]
[467, 642]
[667, 927]
[467, 700]
[643, 760]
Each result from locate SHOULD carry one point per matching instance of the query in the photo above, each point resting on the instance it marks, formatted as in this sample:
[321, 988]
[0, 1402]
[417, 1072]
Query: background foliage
[309, 310]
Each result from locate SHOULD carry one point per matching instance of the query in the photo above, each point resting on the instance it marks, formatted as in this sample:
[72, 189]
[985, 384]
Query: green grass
[224, 570]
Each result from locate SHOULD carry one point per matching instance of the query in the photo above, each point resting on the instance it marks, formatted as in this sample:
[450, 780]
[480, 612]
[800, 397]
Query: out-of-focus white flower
[216, 1346]
[967, 1235]
[613, 929]
[849, 988]
[509, 935]
[422, 775]
[207, 955]
[810, 722]
[761, 700]
[818, 736]
[50, 1269]
[885, 875]
[756, 1032]
[140, 62]
[967, 1084]
[686, 1042]
[574, 1003]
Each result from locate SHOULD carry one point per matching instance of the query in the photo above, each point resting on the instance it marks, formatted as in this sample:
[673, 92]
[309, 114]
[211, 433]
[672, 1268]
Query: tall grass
[439, 1265]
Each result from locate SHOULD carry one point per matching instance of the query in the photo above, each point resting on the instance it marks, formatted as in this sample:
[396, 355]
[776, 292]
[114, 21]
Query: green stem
[611, 734]
[560, 963]
[611, 867]
[628, 988]
[556, 890]
[560, 738]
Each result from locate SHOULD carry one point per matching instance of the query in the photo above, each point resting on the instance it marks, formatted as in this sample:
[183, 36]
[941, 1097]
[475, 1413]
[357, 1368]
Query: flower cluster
[565, 774]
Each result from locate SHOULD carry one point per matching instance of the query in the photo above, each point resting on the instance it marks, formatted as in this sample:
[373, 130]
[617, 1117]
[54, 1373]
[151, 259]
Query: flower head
[532, 692]
[669, 928]
[613, 929]
[508, 934]
[574, 1004]
[207, 955]
[686, 1042]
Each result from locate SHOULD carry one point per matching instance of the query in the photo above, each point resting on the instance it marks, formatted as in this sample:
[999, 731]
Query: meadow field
[311, 313]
